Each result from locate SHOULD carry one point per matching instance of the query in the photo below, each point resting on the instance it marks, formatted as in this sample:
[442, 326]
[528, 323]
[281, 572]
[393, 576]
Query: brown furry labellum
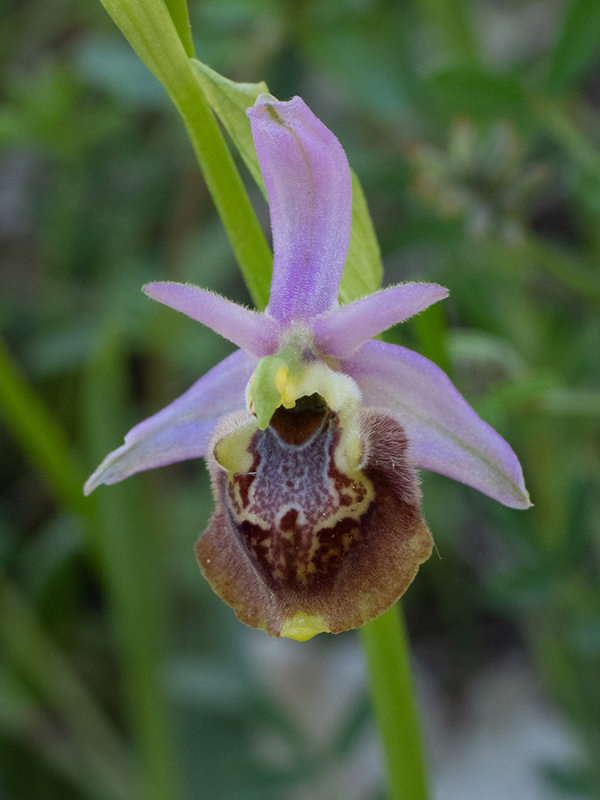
[316, 528]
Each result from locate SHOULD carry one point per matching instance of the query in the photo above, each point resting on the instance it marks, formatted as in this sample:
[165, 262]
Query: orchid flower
[312, 430]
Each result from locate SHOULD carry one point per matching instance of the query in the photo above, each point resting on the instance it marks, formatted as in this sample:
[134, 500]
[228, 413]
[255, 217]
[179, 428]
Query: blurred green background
[474, 128]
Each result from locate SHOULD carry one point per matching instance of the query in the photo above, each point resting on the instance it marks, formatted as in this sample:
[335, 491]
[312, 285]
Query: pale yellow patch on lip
[302, 627]
[285, 387]
[232, 451]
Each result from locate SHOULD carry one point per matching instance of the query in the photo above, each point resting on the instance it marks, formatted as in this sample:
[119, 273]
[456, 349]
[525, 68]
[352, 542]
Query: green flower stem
[386, 649]
[150, 29]
[225, 185]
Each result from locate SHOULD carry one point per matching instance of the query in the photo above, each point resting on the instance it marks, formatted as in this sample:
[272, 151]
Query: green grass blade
[104, 755]
[128, 549]
[40, 436]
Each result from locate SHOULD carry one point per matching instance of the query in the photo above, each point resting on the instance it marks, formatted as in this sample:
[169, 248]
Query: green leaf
[577, 47]
[229, 100]
[472, 91]
[178, 9]
[150, 30]
[363, 272]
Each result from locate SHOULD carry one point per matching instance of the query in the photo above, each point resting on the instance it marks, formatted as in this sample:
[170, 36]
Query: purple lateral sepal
[183, 429]
[445, 434]
[308, 185]
[343, 330]
[252, 331]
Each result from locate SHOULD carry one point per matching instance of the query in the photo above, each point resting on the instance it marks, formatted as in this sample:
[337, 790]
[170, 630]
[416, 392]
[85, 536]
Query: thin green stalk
[226, 187]
[386, 649]
[150, 30]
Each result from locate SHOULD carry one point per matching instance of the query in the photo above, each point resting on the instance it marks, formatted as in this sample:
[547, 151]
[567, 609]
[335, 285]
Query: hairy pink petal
[307, 179]
[254, 332]
[183, 429]
[445, 434]
[342, 331]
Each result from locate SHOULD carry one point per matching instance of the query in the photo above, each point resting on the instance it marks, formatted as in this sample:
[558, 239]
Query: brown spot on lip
[289, 519]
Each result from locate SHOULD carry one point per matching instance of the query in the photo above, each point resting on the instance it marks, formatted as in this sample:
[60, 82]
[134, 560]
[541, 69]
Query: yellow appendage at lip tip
[302, 627]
